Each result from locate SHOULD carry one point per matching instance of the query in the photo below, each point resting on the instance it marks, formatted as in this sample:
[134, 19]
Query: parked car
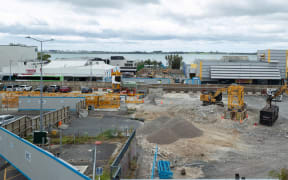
[11, 87]
[24, 88]
[44, 88]
[86, 90]
[53, 88]
[65, 89]
[5, 118]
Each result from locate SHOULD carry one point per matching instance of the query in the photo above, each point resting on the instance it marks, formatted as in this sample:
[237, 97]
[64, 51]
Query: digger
[212, 97]
[269, 114]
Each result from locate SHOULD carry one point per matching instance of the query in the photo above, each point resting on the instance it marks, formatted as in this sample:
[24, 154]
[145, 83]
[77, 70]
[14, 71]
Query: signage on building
[30, 71]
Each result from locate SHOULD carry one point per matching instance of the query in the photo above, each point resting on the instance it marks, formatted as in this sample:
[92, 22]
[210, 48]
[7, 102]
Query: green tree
[45, 57]
[282, 175]
[169, 59]
[174, 61]
[148, 62]
[140, 65]
[154, 62]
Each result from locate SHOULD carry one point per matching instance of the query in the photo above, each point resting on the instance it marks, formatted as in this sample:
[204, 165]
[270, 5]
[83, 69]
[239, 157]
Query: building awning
[244, 72]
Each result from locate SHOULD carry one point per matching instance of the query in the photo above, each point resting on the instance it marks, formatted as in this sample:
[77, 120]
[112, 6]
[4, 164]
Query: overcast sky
[147, 25]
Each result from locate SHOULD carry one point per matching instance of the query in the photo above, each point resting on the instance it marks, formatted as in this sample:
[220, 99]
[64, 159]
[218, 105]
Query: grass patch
[86, 139]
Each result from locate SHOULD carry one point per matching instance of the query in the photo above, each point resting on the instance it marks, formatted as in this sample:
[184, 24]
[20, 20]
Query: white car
[5, 118]
[11, 87]
[24, 88]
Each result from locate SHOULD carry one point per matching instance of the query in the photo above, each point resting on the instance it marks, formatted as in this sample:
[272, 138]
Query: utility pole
[10, 70]
[41, 78]
[90, 71]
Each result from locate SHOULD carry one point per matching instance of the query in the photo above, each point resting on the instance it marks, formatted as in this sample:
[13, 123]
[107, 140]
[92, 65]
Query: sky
[147, 25]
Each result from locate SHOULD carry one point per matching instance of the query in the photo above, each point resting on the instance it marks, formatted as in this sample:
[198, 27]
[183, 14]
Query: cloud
[103, 3]
[136, 24]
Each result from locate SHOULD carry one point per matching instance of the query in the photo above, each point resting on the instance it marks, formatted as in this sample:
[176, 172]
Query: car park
[53, 88]
[24, 88]
[65, 89]
[86, 90]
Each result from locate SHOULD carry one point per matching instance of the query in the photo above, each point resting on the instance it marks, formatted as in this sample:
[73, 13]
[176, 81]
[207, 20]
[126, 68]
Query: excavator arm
[280, 91]
[219, 91]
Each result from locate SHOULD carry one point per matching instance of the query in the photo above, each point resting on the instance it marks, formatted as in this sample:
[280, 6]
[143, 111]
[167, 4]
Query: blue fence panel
[164, 171]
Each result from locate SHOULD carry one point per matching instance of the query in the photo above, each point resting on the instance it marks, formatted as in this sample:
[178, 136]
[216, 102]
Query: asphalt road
[92, 126]
[82, 154]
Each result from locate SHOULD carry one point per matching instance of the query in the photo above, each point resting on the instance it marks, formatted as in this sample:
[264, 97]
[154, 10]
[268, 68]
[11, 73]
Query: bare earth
[198, 139]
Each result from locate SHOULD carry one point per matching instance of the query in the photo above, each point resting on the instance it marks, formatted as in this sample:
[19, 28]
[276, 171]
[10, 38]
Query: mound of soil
[173, 130]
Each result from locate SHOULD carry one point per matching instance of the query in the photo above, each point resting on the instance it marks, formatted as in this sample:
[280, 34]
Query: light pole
[41, 79]
[95, 152]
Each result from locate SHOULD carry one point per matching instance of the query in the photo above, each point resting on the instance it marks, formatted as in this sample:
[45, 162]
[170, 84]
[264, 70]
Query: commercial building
[126, 66]
[60, 70]
[16, 53]
[269, 68]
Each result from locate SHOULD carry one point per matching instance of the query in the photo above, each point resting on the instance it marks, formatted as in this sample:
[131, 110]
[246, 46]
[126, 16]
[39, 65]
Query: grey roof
[244, 72]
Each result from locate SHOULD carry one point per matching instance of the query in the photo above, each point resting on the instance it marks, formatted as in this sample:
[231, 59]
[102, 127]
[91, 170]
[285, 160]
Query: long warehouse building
[269, 68]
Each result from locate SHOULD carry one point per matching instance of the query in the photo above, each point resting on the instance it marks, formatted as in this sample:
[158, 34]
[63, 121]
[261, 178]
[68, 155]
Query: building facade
[59, 70]
[126, 66]
[16, 53]
[270, 68]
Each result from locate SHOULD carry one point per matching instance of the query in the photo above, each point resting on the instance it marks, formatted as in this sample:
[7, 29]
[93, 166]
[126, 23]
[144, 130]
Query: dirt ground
[198, 139]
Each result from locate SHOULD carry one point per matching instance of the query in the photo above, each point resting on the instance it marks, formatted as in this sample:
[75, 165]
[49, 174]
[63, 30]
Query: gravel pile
[170, 131]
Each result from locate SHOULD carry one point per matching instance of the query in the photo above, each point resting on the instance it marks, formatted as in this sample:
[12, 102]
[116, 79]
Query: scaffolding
[236, 107]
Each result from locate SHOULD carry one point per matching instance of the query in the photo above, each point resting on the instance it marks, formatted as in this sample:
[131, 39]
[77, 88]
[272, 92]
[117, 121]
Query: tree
[141, 64]
[169, 59]
[154, 62]
[45, 57]
[148, 62]
[282, 175]
[174, 61]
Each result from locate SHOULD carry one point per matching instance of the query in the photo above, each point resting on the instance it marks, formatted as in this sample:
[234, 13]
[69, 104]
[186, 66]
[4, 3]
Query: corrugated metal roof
[244, 72]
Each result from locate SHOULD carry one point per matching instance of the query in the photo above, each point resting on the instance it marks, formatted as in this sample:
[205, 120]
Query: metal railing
[25, 125]
[115, 168]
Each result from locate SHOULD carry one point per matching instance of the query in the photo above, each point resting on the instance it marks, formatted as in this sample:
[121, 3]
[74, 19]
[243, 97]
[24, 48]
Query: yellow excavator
[269, 114]
[212, 96]
[235, 97]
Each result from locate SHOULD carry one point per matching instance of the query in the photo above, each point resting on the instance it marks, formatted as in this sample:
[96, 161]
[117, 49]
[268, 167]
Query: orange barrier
[107, 100]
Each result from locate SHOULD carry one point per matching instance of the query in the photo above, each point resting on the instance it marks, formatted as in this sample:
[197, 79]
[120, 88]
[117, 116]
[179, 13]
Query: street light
[94, 163]
[41, 79]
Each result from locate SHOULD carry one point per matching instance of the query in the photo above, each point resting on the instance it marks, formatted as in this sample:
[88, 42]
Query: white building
[61, 69]
[126, 66]
[16, 53]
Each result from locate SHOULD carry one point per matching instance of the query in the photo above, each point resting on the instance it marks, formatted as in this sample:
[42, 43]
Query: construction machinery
[269, 114]
[119, 86]
[116, 81]
[236, 107]
[212, 96]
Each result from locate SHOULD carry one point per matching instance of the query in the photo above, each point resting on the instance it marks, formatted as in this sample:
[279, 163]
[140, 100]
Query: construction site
[147, 128]
[168, 132]
[201, 142]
